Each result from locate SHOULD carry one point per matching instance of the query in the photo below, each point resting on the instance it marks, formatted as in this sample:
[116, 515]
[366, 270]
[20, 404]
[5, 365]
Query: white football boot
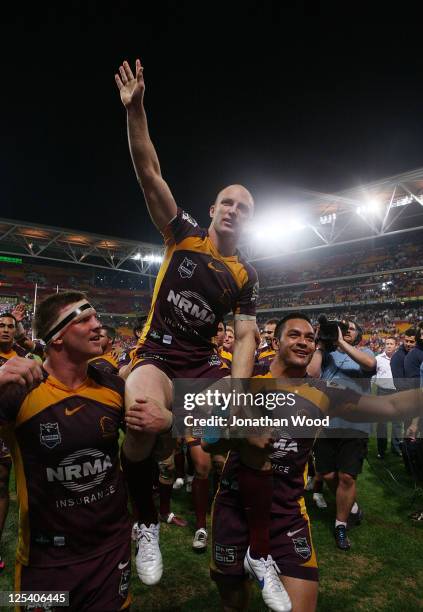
[266, 573]
[148, 558]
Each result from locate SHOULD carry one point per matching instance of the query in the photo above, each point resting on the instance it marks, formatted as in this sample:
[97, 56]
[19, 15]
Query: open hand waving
[131, 88]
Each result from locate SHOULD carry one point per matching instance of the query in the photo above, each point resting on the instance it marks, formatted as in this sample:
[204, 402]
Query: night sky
[246, 92]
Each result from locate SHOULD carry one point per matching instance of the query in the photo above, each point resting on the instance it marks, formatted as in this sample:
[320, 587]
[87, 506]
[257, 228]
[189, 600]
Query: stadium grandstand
[117, 275]
[356, 253]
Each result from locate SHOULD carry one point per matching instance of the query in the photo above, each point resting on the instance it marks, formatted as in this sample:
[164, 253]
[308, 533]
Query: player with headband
[62, 422]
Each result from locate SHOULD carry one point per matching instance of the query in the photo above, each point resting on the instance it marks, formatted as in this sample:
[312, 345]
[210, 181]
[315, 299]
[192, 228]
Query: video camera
[328, 331]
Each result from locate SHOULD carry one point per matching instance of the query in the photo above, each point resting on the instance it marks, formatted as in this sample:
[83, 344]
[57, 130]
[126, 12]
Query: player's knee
[133, 386]
[330, 477]
[202, 469]
[346, 480]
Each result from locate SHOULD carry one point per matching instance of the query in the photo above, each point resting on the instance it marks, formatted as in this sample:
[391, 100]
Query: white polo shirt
[383, 377]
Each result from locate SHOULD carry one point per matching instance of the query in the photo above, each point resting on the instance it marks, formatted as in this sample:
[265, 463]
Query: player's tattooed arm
[160, 201]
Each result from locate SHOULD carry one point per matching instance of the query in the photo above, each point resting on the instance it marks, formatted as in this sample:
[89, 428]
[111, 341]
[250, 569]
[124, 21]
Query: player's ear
[275, 344]
[211, 211]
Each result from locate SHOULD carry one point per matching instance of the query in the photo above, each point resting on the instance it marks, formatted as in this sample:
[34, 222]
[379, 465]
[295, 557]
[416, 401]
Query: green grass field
[382, 572]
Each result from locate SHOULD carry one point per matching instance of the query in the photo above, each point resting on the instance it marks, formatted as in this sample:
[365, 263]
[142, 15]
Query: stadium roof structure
[387, 207]
[42, 242]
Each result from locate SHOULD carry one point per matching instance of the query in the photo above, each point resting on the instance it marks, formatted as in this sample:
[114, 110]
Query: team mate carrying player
[201, 279]
[62, 424]
[290, 544]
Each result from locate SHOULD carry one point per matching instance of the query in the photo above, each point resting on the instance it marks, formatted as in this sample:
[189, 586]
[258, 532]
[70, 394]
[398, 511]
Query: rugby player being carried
[202, 278]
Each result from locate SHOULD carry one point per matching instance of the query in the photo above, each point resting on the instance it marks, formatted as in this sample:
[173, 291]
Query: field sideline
[382, 572]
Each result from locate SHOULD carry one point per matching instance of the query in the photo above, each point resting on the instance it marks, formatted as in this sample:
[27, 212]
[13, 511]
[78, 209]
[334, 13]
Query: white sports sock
[337, 523]
[354, 509]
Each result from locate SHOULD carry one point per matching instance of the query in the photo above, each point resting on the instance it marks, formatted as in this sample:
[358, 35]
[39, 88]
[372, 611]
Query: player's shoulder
[106, 379]
[249, 269]
[182, 226]
[184, 216]
[19, 350]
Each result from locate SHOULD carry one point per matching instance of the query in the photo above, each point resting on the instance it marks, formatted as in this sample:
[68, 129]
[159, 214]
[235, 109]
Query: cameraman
[342, 447]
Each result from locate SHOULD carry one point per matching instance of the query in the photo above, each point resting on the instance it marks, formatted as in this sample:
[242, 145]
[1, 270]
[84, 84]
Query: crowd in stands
[358, 260]
[382, 302]
[109, 291]
[390, 288]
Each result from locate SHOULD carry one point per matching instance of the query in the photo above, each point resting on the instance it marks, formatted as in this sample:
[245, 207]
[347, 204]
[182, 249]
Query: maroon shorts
[174, 365]
[96, 585]
[291, 545]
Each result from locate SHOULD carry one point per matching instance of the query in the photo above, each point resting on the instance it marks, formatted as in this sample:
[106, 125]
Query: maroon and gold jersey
[108, 362]
[290, 454]
[225, 358]
[264, 358]
[195, 288]
[127, 355]
[64, 444]
[15, 351]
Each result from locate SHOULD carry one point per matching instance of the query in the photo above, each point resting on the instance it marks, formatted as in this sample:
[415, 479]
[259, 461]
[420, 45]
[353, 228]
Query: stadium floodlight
[371, 207]
[403, 201]
[326, 219]
[280, 230]
[137, 256]
[152, 258]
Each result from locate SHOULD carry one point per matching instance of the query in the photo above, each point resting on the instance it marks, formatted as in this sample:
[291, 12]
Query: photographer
[342, 447]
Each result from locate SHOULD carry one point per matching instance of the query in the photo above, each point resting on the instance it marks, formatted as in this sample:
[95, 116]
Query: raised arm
[160, 202]
[365, 360]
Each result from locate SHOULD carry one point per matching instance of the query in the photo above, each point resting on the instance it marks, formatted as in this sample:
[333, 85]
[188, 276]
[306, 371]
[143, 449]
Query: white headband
[73, 314]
